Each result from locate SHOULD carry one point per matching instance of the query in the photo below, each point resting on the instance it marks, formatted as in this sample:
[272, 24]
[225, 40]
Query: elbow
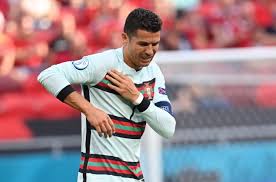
[170, 130]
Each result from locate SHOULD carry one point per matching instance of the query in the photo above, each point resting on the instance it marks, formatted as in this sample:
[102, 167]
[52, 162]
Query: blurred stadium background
[219, 60]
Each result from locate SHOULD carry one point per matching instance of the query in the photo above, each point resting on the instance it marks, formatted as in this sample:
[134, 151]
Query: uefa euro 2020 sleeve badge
[80, 64]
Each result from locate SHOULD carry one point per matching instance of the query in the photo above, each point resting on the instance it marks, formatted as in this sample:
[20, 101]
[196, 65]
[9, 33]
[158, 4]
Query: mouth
[146, 59]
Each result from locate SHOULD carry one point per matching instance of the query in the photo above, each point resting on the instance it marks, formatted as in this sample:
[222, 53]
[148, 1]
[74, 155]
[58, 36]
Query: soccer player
[123, 90]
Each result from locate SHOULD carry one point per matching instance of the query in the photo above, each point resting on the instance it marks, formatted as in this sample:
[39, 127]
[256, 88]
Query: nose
[150, 50]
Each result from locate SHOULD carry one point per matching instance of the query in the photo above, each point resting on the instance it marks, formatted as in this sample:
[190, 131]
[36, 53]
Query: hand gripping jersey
[114, 159]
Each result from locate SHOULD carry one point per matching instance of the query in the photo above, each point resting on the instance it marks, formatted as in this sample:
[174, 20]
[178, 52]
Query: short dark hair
[142, 19]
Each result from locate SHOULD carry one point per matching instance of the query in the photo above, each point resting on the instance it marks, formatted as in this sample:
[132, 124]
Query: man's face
[141, 48]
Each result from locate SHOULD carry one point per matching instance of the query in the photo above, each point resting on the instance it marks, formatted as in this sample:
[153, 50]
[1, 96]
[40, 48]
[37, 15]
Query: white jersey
[113, 159]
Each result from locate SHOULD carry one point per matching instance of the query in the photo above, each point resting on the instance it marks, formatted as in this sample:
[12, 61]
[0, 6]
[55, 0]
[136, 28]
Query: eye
[155, 44]
[144, 44]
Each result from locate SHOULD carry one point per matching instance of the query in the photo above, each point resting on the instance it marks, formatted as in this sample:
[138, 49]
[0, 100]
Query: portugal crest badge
[148, 91]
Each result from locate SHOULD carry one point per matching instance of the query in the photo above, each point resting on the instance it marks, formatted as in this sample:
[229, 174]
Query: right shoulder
[106, 58]
[99, 64]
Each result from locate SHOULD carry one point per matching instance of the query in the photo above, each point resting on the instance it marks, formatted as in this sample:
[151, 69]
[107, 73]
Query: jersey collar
[120, 55]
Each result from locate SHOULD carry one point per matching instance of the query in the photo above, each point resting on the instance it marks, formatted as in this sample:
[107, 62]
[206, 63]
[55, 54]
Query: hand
[123, 85]
[101, 122]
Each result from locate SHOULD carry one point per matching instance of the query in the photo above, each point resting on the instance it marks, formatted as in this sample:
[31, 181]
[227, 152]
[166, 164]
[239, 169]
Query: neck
[127, 59]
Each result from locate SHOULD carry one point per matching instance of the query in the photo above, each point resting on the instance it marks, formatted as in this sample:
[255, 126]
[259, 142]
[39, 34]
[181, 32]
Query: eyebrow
[144, 42]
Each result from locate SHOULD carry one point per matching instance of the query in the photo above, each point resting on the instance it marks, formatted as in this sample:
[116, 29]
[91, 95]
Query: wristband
[138, 100]
[144, 105]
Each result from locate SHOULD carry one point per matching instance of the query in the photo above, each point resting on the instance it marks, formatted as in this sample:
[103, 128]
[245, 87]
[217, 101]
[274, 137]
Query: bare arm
[96, 117]
[57, 80]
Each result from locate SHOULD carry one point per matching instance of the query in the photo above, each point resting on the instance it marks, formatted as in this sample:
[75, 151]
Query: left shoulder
[154, 68]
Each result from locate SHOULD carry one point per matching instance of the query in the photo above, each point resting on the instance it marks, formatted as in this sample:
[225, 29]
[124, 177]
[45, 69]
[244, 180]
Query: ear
[125, 38]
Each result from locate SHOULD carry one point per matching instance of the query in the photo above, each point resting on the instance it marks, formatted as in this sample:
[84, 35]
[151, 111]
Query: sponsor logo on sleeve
[80, 64]
[162, 91]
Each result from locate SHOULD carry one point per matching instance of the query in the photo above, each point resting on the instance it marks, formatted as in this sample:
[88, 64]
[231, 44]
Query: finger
[105, 135]
[108, 128]
[117, 89]
[118, 73]
[98, 129]
[111, 124]
[124, 77]
[118, 76]
[104, 130]
[113, 80]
